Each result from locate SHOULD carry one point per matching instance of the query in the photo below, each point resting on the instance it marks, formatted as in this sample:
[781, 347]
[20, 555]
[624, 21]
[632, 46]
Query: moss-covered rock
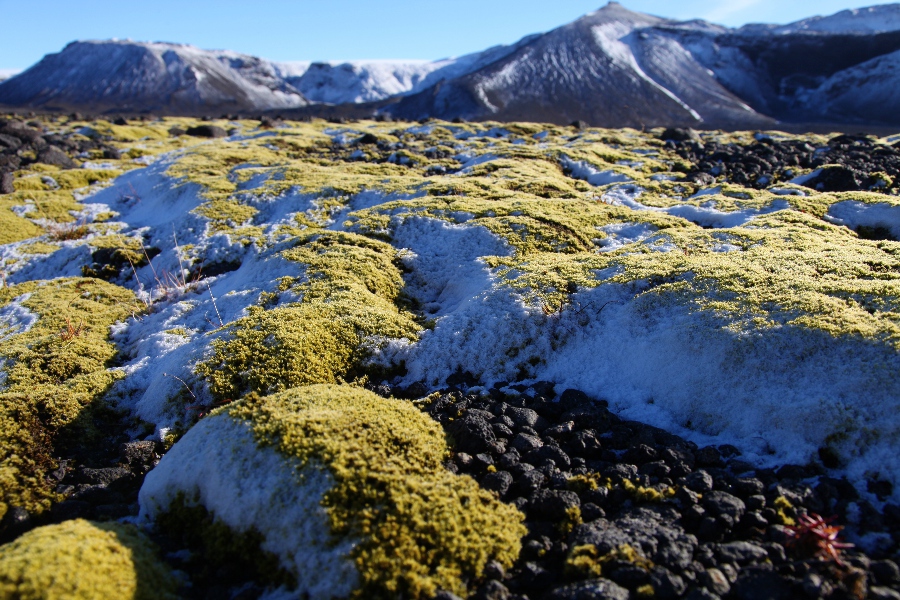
[81, 560]
[346, 488]
[56, 349]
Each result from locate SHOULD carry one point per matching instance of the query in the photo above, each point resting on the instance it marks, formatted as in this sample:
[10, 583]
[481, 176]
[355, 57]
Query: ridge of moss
[348, 299]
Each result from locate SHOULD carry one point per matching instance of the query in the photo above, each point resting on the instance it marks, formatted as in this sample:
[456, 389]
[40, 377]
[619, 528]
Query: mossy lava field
[507, 361]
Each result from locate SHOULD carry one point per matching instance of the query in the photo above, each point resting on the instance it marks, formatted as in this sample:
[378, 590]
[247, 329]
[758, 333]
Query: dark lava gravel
[23, 143]
[705, 524]
[848, 162]
[614, 508]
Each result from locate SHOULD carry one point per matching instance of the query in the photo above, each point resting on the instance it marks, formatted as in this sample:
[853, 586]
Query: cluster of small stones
[665, 518]
[25, 143]
[92, 485]
[848, 163]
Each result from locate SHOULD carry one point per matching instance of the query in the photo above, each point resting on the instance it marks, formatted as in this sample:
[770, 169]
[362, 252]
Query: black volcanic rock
[6, 183]
[209, 131]
[54, 156]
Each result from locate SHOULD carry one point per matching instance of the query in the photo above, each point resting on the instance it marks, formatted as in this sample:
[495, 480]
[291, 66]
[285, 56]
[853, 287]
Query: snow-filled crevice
[872, 221]
[580, 169]
[705, 216]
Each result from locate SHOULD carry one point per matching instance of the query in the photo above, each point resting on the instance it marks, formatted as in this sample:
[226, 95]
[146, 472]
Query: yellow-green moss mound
[421, 527]
[359, 482]
[55, 361]
[348, 299]
[83, 560]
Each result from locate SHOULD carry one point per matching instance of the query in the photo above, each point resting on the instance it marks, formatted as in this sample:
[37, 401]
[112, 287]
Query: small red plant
[815, 536]
[71, 331]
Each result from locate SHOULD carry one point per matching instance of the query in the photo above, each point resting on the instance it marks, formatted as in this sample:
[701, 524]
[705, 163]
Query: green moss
[117, 252]
[14, 228]
[54, 371]
[420, 527]
[83, 560]
[786, 511]
[210, 165]
[586, 561]
[638, 493]
[226, 214]
[39, 248]
[73, 179]
[53, 205]
[789, 267]
[348, 299]
[572, 520]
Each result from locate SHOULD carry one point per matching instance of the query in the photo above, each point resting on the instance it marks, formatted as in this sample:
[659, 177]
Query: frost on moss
[54, 370]
[83, 560]
[409, 526]
[348, 301]
[421, 527]
[787, 267]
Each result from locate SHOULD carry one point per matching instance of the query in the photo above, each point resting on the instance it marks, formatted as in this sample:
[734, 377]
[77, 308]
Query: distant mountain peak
[870, 19]
[129, 76]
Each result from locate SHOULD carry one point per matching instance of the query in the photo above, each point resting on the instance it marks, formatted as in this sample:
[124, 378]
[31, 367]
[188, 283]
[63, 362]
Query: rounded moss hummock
[347, 490]
[83, 560]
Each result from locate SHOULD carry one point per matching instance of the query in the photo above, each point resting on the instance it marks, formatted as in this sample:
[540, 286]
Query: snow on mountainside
[367, 81]
[359, 81]
[140, 76]
[839, 94]
[615, 67]
[612, 67]
[872, 19]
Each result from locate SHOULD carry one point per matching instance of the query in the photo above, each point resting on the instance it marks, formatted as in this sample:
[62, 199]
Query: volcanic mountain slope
[146, 77]
[611, 67]
[812, 77]
[871, 19]
[616, 67]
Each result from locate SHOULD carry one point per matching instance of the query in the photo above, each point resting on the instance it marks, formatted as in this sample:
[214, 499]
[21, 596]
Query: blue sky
[343, 29]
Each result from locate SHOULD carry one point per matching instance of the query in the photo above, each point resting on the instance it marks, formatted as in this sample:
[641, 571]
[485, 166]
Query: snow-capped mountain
[615, 67]
[139, 77]
[872, 19]
[612, 67]
[356, 81]
[369, 81]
